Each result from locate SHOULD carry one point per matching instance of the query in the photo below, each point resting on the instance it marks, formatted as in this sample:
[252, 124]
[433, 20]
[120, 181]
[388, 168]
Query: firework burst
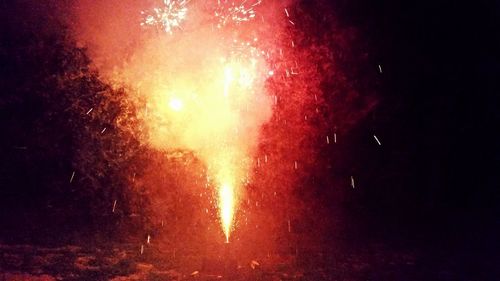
[231, 12]
[168, 17]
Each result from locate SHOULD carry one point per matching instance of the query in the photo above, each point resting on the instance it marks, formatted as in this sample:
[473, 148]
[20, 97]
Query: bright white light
[176, 104]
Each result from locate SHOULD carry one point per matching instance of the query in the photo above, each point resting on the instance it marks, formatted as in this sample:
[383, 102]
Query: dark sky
[439, 110]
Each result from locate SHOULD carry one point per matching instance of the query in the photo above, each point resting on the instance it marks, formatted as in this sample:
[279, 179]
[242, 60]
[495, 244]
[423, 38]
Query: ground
[125, 262]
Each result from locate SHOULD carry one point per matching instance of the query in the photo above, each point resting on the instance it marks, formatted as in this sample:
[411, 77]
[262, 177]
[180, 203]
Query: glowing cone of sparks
[210, 100]
[226, 208]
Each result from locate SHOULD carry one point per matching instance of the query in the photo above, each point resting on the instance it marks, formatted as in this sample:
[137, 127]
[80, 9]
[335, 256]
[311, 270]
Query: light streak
[72, 176]
[226, 198]
[378, 141]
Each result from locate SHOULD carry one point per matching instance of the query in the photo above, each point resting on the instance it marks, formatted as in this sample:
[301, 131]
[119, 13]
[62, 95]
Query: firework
[231, 12]
[207, 91]
[168, 17]
[239, 87]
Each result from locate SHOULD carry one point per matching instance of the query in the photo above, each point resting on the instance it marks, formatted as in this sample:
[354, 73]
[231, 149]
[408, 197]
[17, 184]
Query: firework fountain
[197, 74]
[215, 100]
[230, 82]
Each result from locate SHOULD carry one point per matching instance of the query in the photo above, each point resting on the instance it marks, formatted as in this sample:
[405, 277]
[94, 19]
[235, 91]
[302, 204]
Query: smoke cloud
[201, 88]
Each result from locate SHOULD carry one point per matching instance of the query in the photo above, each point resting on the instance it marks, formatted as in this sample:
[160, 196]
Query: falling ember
[72, 176]
[226, 207]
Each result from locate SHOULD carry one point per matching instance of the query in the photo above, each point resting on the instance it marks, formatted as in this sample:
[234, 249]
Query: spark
[72, 176]
[374, 136]
[103, 130]
[254, 264]
[168, 17]
[227, 12]
[114, 206]
[352, 182]
[380, 68]
[327, 139]
[90, 110]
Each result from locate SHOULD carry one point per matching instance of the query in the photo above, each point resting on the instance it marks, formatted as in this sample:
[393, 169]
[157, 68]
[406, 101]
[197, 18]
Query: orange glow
[207, 102]
[199, 89]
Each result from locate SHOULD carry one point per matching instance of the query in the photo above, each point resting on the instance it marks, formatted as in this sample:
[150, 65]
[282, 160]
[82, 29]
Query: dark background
[432, 183]
[438, 112]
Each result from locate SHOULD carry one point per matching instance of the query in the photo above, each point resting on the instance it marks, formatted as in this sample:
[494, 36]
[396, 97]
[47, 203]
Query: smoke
[256, 102]
[201, 88]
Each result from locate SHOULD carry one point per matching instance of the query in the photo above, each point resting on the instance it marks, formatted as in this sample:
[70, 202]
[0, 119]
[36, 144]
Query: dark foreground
[125, 262]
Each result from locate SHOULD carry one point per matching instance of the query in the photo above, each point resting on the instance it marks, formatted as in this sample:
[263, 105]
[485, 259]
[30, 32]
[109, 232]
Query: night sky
[432, 183]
